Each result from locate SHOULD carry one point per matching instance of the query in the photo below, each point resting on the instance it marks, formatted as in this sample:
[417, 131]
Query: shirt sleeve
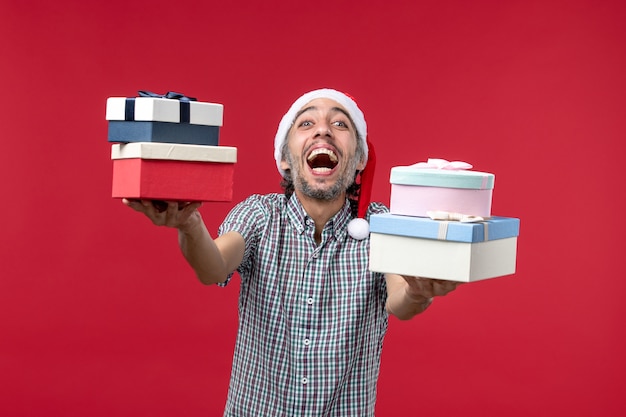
[379, 208]
[376, 208]
[245, 218]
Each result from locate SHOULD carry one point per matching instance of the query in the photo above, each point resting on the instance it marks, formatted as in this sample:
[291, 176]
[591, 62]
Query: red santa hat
[358, 228]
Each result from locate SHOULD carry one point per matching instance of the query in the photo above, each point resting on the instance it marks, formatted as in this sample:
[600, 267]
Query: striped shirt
[312, 317]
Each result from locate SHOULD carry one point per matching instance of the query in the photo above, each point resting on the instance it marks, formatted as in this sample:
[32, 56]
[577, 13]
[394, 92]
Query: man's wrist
[191, 225]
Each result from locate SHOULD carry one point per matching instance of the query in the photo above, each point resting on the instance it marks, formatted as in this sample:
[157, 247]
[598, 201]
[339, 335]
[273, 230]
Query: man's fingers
[430, 287]
[136, 205]
[164, 213]
[171, 207]
[443, 287]
[161, 206]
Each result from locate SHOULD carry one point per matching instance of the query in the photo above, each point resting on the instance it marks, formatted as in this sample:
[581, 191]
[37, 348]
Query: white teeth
[319, 151]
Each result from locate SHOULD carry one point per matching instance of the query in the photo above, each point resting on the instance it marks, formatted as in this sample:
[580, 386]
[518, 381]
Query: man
[312, 317]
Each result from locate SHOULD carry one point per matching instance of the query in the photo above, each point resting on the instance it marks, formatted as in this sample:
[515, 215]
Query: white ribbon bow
[450, 216]
[443, 164]
[444, 216]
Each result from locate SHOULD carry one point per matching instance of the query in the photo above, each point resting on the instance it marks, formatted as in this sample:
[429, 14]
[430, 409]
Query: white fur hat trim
[346, 102]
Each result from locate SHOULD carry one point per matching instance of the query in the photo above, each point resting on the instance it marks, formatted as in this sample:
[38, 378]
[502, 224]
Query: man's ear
[361, 165]
[284, 165]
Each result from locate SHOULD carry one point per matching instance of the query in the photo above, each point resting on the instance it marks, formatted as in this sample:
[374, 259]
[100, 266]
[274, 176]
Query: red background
[99, 314]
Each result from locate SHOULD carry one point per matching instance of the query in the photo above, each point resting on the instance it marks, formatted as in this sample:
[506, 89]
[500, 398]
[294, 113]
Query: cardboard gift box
[185, 133]
[453, 251]
[173, 172]
[439, 185]
[158, 109]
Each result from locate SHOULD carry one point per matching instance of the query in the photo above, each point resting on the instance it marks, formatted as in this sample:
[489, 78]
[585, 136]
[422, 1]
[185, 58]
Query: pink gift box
[440, 186]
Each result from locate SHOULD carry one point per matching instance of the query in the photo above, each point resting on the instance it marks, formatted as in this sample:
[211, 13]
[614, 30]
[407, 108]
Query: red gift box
[173, 172]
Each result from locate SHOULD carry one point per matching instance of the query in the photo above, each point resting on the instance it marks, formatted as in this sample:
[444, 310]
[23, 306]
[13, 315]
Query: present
[185, 133]
[480, 231]
[173, 172]
[171, 107]
[439, 185]
[447, 250]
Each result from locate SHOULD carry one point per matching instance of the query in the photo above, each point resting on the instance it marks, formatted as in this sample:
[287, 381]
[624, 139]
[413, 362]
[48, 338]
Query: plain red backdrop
[99, 314]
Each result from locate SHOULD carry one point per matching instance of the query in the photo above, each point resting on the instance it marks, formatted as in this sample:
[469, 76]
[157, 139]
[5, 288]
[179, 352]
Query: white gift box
[153, 109]
[423, 247]
[175, 152]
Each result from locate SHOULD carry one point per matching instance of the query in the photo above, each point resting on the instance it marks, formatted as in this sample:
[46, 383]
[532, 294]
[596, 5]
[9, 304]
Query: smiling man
[312, 317]
[320, 158]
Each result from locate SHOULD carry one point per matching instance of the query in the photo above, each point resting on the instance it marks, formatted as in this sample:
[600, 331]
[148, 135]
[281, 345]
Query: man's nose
[323, 129]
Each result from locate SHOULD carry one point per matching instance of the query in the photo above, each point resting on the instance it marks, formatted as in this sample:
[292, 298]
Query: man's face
[321, 148]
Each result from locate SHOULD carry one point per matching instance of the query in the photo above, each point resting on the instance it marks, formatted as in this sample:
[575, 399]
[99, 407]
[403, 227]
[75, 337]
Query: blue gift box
[185, 133]
[447, 250]
[422, 227]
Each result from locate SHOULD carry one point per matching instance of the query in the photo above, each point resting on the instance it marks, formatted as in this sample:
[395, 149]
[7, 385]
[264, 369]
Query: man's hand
[428, 288]
[170, 213]
[408, 296]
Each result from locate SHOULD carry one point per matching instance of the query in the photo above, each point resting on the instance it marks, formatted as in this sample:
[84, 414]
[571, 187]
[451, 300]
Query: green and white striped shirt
[311, 317]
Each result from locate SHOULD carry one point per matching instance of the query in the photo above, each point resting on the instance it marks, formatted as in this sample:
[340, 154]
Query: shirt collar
[299, 218]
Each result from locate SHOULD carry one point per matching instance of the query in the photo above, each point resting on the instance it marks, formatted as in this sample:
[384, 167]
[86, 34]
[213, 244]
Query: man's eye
[340, 123]
[305, 123]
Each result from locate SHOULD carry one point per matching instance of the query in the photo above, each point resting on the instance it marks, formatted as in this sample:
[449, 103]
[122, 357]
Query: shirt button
[304, 380]
[309, 300]
[307, 342]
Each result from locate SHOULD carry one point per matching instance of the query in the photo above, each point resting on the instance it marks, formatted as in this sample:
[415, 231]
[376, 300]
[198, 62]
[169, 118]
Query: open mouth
[322, 160]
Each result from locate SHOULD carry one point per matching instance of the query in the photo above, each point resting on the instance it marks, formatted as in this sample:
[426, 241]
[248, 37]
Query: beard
[318, 190]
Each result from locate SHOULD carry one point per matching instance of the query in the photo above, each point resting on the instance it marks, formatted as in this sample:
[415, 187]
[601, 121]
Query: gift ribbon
[445, 217]
[457, 217]
[443, 164]
[435, 163]
[129, 109]
[442, 231]
[170, 94]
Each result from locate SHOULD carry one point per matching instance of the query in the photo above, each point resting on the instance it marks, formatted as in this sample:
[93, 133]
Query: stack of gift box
[166, 148]
[440, 225]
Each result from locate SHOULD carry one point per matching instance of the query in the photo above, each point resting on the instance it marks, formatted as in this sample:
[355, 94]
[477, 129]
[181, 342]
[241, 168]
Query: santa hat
[357, 228]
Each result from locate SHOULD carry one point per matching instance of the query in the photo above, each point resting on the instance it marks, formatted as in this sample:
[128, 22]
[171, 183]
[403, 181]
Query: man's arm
[211, 259]
[410, 296]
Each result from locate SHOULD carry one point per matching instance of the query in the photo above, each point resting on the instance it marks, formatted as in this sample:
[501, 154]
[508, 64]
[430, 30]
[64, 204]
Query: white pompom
[358, 228]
